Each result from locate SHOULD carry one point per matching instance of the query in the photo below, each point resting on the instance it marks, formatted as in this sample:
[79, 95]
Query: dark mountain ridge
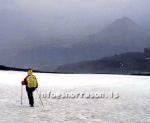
[126, 63]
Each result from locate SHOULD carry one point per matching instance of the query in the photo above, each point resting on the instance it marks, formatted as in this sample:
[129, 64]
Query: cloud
[45, 20]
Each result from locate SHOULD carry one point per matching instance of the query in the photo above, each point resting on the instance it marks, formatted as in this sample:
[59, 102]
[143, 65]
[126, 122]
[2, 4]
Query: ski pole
[21, 93]
[40, 98]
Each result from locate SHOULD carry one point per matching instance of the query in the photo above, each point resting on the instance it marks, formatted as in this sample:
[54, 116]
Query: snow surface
[131, 107]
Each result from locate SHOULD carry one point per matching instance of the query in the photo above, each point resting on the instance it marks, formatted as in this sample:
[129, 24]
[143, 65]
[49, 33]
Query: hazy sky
[25, 21]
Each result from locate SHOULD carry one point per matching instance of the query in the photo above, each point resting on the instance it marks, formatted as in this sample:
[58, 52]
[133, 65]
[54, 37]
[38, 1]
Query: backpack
[32, 82]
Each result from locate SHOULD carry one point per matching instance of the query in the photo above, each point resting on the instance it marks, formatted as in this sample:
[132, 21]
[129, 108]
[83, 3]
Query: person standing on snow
[31, 84]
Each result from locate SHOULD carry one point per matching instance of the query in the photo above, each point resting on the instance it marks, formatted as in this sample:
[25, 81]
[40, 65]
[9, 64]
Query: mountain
[122, 35]
[122, 27]
[126, 63]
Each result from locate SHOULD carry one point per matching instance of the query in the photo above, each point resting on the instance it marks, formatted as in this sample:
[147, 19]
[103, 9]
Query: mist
[28, 23]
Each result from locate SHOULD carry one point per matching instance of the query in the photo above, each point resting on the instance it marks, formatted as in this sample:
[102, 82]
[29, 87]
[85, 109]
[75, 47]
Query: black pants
[30, 95]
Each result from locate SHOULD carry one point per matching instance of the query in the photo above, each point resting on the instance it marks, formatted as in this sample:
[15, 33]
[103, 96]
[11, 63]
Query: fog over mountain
[50, 33]
[123, 35]
[46, 21]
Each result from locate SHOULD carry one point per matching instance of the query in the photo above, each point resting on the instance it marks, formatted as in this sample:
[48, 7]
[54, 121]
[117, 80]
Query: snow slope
[131, 106]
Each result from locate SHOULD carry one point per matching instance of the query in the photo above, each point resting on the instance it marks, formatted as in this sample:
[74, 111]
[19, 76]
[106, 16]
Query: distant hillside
[11, 68]
[122, 35]
[126, 63]
[17, 69]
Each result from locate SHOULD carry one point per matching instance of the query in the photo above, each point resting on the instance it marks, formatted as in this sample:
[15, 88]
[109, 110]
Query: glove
[23, 83]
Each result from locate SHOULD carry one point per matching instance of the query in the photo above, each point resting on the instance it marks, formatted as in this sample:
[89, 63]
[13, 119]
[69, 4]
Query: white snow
[131, 107]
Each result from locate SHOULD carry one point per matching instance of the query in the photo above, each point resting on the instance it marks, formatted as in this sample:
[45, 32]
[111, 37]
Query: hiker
[31, 84]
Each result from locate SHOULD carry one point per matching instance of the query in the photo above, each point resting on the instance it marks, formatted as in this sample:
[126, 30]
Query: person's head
[30, 71]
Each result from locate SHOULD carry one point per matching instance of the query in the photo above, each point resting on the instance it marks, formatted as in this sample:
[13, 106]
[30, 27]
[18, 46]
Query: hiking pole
[21, 93]
[40, 98]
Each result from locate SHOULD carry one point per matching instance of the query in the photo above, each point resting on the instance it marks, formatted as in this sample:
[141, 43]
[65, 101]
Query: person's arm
[24, 82]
